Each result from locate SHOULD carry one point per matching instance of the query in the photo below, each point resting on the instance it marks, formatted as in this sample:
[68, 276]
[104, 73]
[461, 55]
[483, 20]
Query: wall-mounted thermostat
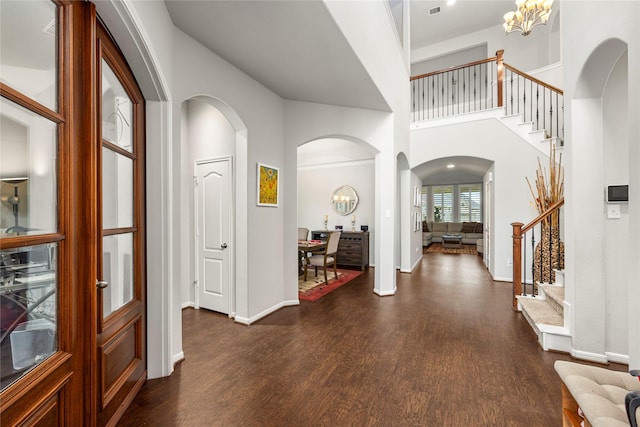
[618, 193]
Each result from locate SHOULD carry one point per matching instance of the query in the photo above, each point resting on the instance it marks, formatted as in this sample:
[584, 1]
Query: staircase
[538, 138]
[534, 110]
[545, 312]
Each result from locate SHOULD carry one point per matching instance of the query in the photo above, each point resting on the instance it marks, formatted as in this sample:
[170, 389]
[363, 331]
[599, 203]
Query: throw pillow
[425, 226]
[479, 228]
[468, 227]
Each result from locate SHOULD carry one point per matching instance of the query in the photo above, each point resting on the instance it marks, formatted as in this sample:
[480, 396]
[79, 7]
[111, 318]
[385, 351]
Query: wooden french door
[72, 255]
[120, 369]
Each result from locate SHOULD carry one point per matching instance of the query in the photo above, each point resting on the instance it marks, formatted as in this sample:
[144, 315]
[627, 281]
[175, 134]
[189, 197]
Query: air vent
[434, 10]
[50, 28]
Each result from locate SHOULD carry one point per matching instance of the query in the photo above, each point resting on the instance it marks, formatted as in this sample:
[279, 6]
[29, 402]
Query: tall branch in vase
[548, 189]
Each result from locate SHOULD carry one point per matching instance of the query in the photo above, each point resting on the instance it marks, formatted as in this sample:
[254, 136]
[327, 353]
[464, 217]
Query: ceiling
[296, 49]
[467, 170]
[293, 48]
[463, 17]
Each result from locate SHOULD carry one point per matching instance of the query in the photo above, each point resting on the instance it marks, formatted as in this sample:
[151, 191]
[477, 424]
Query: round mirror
[344, 200]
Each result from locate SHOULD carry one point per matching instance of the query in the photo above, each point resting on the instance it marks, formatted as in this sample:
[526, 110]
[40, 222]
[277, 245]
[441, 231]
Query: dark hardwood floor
[446, 350]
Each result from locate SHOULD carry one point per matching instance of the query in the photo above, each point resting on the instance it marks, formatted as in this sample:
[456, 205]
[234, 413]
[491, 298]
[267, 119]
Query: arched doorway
[211, 133]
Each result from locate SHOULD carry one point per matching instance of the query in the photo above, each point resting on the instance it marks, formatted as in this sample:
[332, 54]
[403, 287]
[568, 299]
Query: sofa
[471, 232]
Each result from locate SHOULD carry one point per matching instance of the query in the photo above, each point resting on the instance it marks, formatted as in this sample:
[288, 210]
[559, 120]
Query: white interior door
[213, 189]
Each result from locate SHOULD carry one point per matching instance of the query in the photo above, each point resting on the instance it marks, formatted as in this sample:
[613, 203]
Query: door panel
[118, 358]
[213, 277]
[213, 234]
[120, 333]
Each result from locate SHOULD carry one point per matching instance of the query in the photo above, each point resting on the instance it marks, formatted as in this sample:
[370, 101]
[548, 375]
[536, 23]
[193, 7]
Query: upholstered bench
[593, 396]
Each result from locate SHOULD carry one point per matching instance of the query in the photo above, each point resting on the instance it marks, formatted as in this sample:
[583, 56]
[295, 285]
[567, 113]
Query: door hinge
[195, 181]
[195, 283]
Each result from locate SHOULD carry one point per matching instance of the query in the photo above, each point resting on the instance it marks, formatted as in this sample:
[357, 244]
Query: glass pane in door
[117, 111]
[28, 310]
[117, 271]
[117, 190]
[28, 158]
[28, 49]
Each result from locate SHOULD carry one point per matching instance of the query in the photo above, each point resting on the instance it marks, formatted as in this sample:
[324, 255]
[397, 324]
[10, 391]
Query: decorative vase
[548, 255]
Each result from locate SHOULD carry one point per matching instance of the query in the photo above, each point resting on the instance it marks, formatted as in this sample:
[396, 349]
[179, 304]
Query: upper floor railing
[487, 84]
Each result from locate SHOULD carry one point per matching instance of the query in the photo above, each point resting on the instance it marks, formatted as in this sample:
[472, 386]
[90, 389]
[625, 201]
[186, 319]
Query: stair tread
[541, 312]
[556, 293]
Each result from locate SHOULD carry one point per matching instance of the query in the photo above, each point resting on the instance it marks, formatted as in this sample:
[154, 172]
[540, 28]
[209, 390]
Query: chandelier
[528, 14]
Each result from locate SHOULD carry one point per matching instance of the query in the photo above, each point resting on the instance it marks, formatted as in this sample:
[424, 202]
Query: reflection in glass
[344, 200]
[28, 49]
[117, 190]
[28, 308]
[28, 192]
[117, 111]
[117, 267]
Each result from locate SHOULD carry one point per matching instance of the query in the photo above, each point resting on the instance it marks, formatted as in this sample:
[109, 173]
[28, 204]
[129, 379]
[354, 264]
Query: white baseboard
[591, 357]
[189, 304]
[502, 279]
[253, 319]
[385, 294]
[618, 358]
[177, 358]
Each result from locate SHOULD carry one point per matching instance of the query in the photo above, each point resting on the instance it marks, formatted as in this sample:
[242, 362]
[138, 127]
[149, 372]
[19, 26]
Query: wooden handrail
[518, 232]
[529, 77]
[446, 70]
[543, 215]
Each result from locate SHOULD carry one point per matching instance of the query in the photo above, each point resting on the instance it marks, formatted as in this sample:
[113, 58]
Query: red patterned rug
[314, 288]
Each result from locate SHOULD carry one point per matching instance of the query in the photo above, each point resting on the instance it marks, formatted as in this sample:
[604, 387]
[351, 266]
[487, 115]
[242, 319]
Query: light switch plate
[613, 211]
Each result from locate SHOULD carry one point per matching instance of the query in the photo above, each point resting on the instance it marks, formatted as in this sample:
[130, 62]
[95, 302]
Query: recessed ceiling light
[451, 2]
[451, 166]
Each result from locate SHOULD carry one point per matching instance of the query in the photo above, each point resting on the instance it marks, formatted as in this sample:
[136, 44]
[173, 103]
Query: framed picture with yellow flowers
[268, 185]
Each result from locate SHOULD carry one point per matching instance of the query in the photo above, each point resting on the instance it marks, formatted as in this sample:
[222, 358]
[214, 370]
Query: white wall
[589, 64]
[453, 59]
[411, 250]
[370, 32]
[316, 185]
[616, 231]
[309, 122]
[514, 160]
[537, 50]
[200, 72]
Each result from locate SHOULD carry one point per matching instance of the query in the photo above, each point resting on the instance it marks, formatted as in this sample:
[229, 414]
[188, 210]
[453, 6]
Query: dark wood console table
[353, 249]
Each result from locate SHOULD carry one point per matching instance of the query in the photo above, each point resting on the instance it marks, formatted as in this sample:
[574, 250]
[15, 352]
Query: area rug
[314, 288]
[465, 249]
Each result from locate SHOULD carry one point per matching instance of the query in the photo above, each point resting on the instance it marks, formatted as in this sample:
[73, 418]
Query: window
[470, 202]
[443, 203]
[31, 238]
